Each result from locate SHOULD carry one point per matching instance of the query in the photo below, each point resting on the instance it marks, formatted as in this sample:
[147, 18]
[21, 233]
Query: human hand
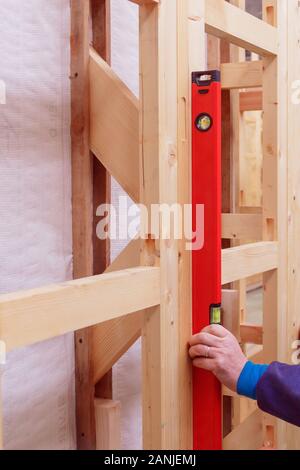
[217, 350]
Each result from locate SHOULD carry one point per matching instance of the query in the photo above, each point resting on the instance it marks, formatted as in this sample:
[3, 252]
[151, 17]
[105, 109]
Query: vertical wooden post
[108, 424]
[90, 187]
[291, 28]
[158, 153]
[165, 178]
[270, 193]
[82, 200]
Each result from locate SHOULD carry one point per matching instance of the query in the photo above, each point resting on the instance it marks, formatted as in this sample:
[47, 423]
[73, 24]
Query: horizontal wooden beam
[244, 261]
[242, 226]
[251, 333]
[114, 125]
[240, 28]
[251, 101]
[248, 435]
[39, 314]
[235, 75]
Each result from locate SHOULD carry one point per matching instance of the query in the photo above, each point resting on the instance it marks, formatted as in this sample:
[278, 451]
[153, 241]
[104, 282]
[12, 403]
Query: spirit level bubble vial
[206, 263]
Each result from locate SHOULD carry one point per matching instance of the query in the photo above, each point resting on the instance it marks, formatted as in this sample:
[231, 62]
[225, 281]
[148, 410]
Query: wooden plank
[242, 226]
[158, 68]
[112, 340]
[251, 101]
[242, 29]
[108, 424]
[246, 260]
[290, 147]
[191, 57]
[159, 136]
[230, 311]
[82, 211]
[235, 75]
[248, 435]
[82, 165]
[251, 333]
[39, 314]
[114, 128]
[128, 258]
[270, 200]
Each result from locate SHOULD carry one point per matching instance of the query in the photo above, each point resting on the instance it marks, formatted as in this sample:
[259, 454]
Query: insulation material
[127, 372]
[35, 212]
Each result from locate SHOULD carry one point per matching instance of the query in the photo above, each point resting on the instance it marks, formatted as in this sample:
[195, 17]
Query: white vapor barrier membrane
[127, 372]
[35, 212]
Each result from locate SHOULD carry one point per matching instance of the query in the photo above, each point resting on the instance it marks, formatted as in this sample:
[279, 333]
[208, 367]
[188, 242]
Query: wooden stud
[108, 424]
[159, 137]
[82, 209]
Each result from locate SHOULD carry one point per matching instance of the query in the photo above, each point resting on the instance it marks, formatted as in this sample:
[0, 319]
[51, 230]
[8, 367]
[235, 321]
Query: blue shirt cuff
[249, 379]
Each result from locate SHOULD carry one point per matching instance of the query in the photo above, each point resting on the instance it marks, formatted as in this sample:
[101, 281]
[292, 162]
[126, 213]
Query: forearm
[276, 388]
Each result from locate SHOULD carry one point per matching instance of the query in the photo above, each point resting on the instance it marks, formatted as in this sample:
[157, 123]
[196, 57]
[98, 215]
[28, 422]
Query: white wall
[35, 212]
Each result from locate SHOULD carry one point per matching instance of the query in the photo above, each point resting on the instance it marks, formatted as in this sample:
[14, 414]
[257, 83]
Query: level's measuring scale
[206, 262]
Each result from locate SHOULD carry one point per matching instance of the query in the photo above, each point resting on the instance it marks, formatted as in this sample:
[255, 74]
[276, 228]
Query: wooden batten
[108, 424]
[240, 28]
[39, 314]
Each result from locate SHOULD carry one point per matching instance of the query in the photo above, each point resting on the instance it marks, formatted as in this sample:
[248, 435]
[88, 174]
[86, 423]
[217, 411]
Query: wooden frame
[154, 298]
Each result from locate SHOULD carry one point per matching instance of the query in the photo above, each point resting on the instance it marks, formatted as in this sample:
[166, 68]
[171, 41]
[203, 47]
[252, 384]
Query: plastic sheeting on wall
[35, 212]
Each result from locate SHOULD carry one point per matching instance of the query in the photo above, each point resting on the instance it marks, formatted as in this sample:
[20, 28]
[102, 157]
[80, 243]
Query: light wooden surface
[158, 128]
[251, 333]
[39, 314]
[108, 424]
[242, 29]
[247, 435]
[230, 311]
[242, 226]
[246, 260]
[82, 210]
[235, 75]
[112, 340]
[291, 150]
[114, 130]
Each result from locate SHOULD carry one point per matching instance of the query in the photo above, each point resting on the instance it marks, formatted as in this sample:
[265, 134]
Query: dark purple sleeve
[278, 392]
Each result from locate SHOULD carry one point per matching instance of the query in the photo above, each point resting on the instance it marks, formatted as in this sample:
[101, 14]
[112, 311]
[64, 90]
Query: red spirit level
[206, 283]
